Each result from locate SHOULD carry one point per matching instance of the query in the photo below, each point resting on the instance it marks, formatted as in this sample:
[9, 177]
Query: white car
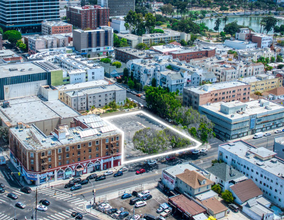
[195, 151]
[41, 208]
[203, 150]
[146, 192]
[123, 169]
[109, 172]
[152, 162]
[140, 204]
[277, 131]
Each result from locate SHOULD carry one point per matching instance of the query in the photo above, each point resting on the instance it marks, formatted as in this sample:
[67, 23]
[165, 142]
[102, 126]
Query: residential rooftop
[261, 157]
[238, 110]
[138, 53]
[55, 23]
[256, 78]
[87, 7]
[33, 109]
[83, 85]
[167, 32]
[225, 172]
[19, 69]
[34, 139]
[215, 87]
[194, 49]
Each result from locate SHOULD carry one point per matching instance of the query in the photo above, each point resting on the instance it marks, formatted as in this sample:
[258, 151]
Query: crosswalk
[5, 217]
[61, 215]
[16, 192]
[63, 196]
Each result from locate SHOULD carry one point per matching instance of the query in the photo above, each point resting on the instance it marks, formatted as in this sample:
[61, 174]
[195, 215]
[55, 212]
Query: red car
[170, 158]
[140, 171]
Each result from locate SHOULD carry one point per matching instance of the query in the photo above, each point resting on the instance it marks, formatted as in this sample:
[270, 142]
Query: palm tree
[225, 19]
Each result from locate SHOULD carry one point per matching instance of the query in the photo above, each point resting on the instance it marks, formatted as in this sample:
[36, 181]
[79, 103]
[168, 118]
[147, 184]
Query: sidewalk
[96, 213]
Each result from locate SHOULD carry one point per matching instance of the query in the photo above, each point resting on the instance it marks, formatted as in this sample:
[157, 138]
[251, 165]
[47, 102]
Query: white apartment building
[259, 165]
[169, 73]
[237, 45]
[254, 54]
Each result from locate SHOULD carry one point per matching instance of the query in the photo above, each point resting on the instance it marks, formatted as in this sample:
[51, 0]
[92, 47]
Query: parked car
[77, 215]
[92, 176]
[12, 196]
[140, 171]
[152, 162]
[41, 208]
[135, 193]
[147, 197]
[111, 211]
[2, 185]
[2, 190]
[123, 169]
[118, 173]
[126, 196]
[20, 205]
[123, 215]
[109, 172]
[76, 187]
[160, 218]
[70, 184]
[76, 180]
[203, 150]
[140, 204]
[102, 177]
[159, 210]
[267, 134]
[195, 151]
[233, 207]
[165, 213]
[84, 182]
[44, 202]
[165, 205]
[134, 200]
[170, 158]
[149, 217]
[277, 131]
[26, 189]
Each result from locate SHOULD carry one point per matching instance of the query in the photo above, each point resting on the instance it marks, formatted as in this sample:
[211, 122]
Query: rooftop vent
[28, 137]
[21, 129]
[231, 144]
[43, 140]
[52, 143]
[274, 160]
[70, 138]
[259, 164]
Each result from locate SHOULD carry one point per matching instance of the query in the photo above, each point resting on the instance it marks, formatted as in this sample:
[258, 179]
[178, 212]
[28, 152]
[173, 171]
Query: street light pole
[36, 206]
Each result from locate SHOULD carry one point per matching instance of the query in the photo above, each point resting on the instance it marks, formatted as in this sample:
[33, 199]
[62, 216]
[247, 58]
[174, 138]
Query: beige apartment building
[262, 82]
[218, 92]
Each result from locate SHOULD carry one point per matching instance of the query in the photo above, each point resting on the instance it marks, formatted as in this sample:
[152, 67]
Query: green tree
[1, 30]
[193, 131]
[116, 41]
[272, 59]
[216, 188]
[23, 47]
[125, 73]
[227, 196]
[279, 58]
[232, 28]
[12, 36]
[130, 84]
[269, 23]
[150, 22]
[225, 19]
[123, 43]
[167, 9]
[154, 82]
[106, 60]
[204, 132]
[117, 64]
[183, 42]
[217, 24]
[142, 46]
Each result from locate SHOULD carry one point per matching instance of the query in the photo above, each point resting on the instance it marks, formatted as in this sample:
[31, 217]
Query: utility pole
[36, 206]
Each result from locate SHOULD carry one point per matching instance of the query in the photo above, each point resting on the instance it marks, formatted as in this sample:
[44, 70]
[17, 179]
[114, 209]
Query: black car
[147, 197]
[102, 177]
[44, 202]
[2, 190]
[85, 181]
[77, 215]
[149, 217]
[119, 173]
[233, 207]
[26, 189]
[92, 176]
[2, 185]
[76, 180]
[134, 200]
[111, 211]
[12, 196]
[123, 215]
[20, 205]
[135, 193]
[70, 184]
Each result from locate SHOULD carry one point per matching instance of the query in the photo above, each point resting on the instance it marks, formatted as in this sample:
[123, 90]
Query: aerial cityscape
[141, 110]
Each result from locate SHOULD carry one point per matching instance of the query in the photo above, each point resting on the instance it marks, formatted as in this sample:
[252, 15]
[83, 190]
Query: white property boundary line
[198, 144]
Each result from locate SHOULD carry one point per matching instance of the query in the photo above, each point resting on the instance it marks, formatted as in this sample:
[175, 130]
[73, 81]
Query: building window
[59, 150]
[49, 166]
[67, 149]
[97, 155]
[32, 168]
[49, 159]
[59, 157]
[67, 161]
[90, 150]
[67, 155]
[107, 153]
[32, 161]
[90, 156]
[90, 144]
[79, 159]
[59, 163]
[31, 155]
[42, 154]
[49, 152]
[79, 146]
[117, 138]
[106, 146]
[79, 153]
[97, 149]
[106, 140]
[97, 142]
[117, 150]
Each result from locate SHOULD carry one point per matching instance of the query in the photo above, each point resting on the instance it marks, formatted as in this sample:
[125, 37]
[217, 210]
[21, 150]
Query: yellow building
[262, 82]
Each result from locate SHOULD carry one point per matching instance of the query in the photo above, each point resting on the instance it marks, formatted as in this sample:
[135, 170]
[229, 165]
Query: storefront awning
[80, 169]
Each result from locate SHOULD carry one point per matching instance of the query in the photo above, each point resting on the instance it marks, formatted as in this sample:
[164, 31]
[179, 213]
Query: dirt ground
[151, 207]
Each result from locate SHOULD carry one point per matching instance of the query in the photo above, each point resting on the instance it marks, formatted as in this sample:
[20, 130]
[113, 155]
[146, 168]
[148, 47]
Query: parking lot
[152, 204]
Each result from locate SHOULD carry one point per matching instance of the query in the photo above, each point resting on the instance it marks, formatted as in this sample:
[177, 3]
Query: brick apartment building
[89, 144]
[91, 16]
[218, 92]
[262, 40]
[189, 54]
[55, 27]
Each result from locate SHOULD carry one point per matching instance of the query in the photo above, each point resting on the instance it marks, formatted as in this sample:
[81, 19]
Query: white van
[258, 135]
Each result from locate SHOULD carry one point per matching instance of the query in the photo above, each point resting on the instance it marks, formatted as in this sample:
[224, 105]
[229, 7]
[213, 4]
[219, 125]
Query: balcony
[44, 163]
[43, 157]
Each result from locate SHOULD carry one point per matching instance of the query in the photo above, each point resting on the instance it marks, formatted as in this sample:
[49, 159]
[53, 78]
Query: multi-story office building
[167, 37]
[27, 15]
[88, 144]
[210, 93]
[88, 17]
[55, 27]
[258, 164]
[278, 147]
[95, 97]
[94, 42]
[237, 119]
[126, 54]
[118, 7]
[262, 82]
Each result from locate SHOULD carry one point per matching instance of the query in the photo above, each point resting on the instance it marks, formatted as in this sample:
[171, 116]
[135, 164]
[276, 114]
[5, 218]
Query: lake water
[251, 21]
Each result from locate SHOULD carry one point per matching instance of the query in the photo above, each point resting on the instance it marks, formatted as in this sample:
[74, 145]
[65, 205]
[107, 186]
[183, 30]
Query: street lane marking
[117, 184]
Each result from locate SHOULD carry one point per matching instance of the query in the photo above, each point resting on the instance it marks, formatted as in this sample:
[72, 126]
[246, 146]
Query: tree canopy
[12, 36]
[269, 23]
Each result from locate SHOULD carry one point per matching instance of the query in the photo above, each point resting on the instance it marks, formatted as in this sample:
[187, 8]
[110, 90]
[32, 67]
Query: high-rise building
[88, 17]
[118, 7]
[94, 42]
[27, 15]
